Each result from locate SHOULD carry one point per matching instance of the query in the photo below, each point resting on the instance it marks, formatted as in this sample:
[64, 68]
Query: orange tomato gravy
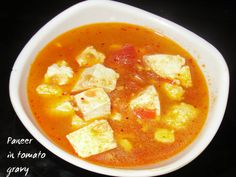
[102, 36]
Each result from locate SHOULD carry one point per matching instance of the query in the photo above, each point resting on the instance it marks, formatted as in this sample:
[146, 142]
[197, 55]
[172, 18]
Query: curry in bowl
[117, 94]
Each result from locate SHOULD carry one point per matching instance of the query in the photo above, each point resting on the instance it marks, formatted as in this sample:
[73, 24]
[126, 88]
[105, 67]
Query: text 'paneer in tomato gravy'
[117, 94]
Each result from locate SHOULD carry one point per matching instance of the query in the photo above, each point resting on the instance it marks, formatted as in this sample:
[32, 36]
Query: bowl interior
[215, 71]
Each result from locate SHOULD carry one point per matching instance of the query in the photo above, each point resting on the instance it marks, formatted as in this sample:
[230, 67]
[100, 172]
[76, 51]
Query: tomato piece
[145, 113]
[125, 56]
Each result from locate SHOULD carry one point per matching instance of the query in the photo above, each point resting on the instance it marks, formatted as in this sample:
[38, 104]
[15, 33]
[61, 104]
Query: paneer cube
[180, 115]
[77, 122]
[46, 89]
[59, 73]
[93, 103]
[60, 107]
[97, 76]
[65, 107]
[174, 92]
[92, 139]
[147, 99]
[169, 67]
[89, 57]
[164, 135]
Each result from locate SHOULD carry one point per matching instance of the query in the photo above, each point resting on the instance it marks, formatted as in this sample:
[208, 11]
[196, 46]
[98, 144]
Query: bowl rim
[16, 102]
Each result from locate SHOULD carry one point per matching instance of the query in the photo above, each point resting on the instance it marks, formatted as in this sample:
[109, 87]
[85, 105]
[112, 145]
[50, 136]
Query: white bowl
[93, 11]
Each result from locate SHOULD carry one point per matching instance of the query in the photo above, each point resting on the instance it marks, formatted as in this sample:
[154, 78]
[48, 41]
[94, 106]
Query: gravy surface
[105, 37]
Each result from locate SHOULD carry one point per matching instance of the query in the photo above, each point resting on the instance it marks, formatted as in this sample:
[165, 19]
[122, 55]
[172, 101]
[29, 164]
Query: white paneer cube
[59, 73]
[170, 67]
[97, 76]
[164, 135]
[61, 107]
[65, 107]
[46, 89]
[147, 99]
[93, 103]
[77, 122]
[167, 66]
[89, 57]
[180, 115]
[92, 139]
[174, 92]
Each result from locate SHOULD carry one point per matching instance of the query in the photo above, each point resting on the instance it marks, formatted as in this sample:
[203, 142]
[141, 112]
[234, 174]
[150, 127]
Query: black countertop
[214, 21]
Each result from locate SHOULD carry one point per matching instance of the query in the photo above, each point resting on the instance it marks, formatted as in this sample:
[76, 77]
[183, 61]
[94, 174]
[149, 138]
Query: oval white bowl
[215, 71]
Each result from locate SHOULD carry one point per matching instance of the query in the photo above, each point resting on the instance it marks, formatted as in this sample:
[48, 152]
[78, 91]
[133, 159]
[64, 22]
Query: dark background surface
[214, 21]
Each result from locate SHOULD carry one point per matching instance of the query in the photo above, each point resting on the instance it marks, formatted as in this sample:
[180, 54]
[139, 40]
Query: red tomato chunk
[145, 113]
[124, 56]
